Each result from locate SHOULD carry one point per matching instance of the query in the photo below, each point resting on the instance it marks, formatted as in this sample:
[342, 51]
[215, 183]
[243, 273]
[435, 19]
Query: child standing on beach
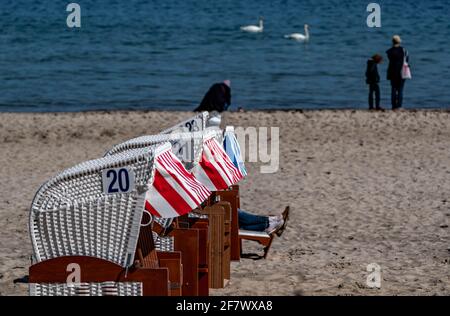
[373, 79]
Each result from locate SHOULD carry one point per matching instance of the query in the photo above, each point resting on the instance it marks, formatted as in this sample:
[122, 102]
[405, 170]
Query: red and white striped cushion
[175, 191]
[215, 170]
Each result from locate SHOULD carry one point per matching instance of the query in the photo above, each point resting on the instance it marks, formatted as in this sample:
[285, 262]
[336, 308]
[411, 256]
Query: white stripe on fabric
[183, 188]
[160, 204]
[181, 191]
[229, 166]
[199, 191]
[203, 192]
[215, 161]
[201, 175]
[233, 150]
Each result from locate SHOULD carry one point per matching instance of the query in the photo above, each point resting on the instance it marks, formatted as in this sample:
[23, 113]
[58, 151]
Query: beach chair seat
[262, 238]
[237, 235]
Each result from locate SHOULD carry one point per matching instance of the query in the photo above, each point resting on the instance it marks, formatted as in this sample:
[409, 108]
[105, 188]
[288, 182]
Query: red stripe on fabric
[236, 174]
[170, 194]
[165, 164]
[213, 174]
[213, 150]
[200, 190]
[176, 164]
[236, 171]
[151, 209]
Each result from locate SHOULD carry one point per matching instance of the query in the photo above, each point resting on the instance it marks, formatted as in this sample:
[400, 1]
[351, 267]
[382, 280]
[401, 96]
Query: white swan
[299, 37]
[254, 28]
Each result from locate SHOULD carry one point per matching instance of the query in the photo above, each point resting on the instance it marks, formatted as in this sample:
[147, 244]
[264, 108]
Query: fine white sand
[363, 187]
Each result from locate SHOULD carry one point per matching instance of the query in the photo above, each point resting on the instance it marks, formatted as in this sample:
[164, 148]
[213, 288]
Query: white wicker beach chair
[196, 123]
[80, 213]
[186, 146]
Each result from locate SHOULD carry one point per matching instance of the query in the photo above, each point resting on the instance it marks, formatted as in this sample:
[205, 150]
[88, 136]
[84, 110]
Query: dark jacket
[372, 75]
[218, 98]
[396, 56]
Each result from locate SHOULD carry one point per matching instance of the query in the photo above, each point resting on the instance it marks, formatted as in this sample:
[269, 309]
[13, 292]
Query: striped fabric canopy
[175, 191]
[233, 150]
[215, 170]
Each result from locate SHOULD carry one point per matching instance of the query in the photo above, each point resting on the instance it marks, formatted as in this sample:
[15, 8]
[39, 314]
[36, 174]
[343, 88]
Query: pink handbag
[406, 70]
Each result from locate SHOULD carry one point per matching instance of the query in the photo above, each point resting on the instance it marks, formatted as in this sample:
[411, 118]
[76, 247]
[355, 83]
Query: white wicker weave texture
[188, 147]
[72, 215]
[194, 124]
[87, 289]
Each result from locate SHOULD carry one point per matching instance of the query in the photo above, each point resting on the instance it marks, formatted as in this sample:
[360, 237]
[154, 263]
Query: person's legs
[252, 222]
[254, 228]
[377, 96]
[393, 95]
[375, 89]
[371, 91]
[400, 93]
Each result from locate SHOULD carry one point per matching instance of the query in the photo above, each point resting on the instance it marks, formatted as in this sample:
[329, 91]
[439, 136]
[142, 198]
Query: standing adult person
[397, 56]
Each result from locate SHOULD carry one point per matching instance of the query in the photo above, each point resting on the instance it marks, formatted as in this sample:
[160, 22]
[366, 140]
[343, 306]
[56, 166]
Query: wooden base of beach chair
[148, 257]
[192, 243]
[203, 266]
[187, 242]
[219, 216]
[226, 254]
[173, 262]
[232, 196]
[51, 277]
[218, 223]
[262, 238]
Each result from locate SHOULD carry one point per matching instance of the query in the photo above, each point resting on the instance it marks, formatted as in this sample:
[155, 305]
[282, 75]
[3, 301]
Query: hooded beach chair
[202, 154]
[88, 219]
[196, 123]
[191, 242]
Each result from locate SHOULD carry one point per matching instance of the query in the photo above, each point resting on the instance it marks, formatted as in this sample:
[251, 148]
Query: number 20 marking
[118, 181]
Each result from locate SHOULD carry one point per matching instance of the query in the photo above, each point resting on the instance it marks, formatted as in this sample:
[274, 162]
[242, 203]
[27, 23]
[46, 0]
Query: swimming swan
[254, 28]
[299, 37]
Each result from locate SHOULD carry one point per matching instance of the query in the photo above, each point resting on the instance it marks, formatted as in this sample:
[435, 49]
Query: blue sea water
[142, 54]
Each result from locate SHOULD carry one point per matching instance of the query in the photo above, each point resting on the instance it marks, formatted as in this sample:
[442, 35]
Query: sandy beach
[363, 188]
